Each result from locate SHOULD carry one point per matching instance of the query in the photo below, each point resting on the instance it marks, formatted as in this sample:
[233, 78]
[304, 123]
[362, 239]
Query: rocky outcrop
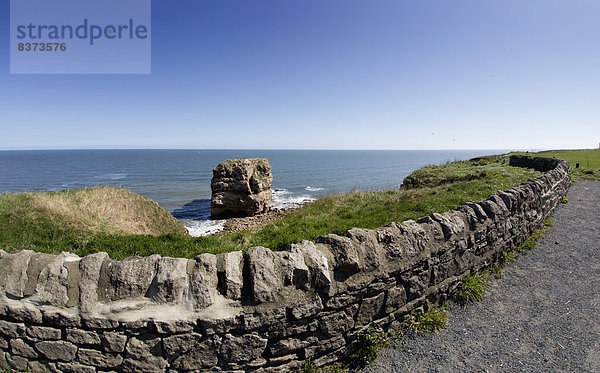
[241, 187]
[258, 309]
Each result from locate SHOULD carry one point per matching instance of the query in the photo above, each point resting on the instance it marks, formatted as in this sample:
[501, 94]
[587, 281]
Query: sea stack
[241, 187]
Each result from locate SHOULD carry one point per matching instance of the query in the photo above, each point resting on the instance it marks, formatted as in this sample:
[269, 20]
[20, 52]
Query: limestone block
[180, 344]
[369, 309]
[265, 283]
[171, 281]
[53, 284]
[113, 342]
[90, 267]
[230, 268]
[57, 350]
[244, 348]
[16, 279]
[317, 263]
[297, 270]
[203, 280]
[144, 356]
[129, 278]
[346, 255]
[98, 359]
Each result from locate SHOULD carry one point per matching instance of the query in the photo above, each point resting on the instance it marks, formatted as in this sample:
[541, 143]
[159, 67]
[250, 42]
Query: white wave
[282, 199]
[313, 189]
[197, 228]
[112, 176]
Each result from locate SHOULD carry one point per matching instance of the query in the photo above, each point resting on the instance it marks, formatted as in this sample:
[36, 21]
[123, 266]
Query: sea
[179, 180]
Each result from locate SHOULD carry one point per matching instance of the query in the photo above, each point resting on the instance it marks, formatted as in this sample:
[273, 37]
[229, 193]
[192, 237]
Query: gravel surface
[543, 316]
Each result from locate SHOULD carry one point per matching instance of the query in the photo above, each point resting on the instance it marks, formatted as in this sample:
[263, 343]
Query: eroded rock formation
[241, 187]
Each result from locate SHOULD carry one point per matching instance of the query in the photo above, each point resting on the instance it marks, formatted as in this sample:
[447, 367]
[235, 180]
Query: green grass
[433, 320]
[333, 214]
[588, 159]
[473, 288]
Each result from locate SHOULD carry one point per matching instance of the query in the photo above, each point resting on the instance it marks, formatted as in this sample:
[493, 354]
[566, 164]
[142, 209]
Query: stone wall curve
[257, 310]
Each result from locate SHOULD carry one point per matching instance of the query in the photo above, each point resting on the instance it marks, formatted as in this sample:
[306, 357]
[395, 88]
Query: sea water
[179, 180]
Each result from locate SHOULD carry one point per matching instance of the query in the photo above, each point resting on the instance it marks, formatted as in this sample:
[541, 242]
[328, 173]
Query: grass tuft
[473, 288]
[434, 319]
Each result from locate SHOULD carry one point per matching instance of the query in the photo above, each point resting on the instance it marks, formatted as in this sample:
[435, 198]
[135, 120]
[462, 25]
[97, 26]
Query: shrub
[434, 319]
[472, 289]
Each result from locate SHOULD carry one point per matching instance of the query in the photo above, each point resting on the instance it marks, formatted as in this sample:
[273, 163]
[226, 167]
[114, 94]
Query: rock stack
[241, 187]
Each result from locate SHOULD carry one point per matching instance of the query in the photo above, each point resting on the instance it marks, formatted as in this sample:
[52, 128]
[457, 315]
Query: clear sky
[329, 74]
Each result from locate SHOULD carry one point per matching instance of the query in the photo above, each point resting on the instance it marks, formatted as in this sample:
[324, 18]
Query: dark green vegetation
[43, 232]
[433, 320]
[588, 159]
[473, 288]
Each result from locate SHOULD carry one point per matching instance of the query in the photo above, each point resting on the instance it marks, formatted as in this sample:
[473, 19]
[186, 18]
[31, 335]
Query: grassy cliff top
[123, 224]
[588, 159]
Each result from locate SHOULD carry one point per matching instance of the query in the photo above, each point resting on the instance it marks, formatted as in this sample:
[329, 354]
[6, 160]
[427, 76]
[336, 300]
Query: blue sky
[330, 74]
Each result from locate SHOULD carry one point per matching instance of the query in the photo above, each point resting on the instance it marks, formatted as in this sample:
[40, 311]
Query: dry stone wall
[258, 310]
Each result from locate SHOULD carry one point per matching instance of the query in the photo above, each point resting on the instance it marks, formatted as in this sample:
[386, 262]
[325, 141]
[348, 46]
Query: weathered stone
[317, 263]
[367, 247]
[144, 356]
[90, 267]
[101, 323]
[17, 278]
[113, 342]
[3, 362]
[297, 270]
[37, 263]
[218, 325]
[61, 317]
[396, 298]
[19, 347]
[452, 224]
[57, 350]
[43, 333]
[16, 362]
[203, 280]
[369, 309]
[307, 309]
[241, 187]
[74, 368]
[12, 330]
[36, 367]
[171, 281]
[83, 337]
[177, 345]
[174, 326]
[129, 278]
[229, 267]
[24, 311]
[346, 256]
[53, 283]
[336, 323]
[201, 356]
[265, 284]
[342, 300]
[264, 318]
[286, 346]
[3, 343]
[240, 349]
[325, 346]
[98, 359]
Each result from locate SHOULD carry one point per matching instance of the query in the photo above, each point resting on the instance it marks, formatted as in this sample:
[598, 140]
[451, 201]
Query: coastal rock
[241, 187]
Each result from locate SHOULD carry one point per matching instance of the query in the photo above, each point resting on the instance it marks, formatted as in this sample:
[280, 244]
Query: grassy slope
[333, 214]
[588, 159]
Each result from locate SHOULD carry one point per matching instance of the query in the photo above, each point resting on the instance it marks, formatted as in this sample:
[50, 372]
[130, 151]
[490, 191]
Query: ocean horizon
[179, 179]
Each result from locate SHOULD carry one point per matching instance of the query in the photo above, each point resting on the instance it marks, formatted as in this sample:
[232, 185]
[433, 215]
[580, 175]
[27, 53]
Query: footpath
[542, 316]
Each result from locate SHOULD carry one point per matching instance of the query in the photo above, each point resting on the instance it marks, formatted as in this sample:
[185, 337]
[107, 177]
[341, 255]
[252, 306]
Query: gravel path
[543, 316]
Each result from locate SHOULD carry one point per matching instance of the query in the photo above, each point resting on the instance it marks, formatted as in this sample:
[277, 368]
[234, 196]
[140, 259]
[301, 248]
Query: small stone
[289, 345]
[16, 362]
[144, 356]
[36, 367]
[19, 347]
[57, 350]
[61, 317]
[556, 243]
[74, 368]
[264, 282]
[43, 333]
[98, 359]
[174, 326]
[113, 342]
[245, 348]
[369, 309]
[396, 298]
[336, 323]
[307, 309]
[101, 323]
[82, 337]
[12, 330]
[177, 345]
[24, 311]
[200, 357]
